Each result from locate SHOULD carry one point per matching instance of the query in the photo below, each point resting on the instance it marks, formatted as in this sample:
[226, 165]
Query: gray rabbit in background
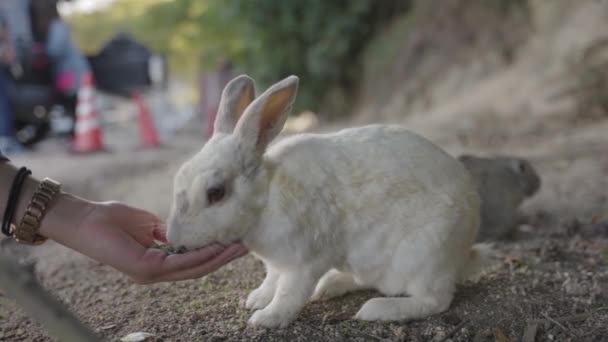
[504, 183]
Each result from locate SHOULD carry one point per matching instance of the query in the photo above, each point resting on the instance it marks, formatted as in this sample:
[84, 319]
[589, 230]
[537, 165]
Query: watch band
[27, 231]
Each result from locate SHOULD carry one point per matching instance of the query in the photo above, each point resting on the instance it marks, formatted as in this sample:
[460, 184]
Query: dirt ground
[553, 277]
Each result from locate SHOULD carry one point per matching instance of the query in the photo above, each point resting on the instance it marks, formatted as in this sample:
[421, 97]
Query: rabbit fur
[373, 207]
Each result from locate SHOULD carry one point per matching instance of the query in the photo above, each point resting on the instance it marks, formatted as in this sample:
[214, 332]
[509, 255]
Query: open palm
[123, 237]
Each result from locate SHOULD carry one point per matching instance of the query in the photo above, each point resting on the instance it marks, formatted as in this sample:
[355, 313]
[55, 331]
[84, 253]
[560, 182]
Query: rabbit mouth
[184, 249]
[221, 244]
[208, 245]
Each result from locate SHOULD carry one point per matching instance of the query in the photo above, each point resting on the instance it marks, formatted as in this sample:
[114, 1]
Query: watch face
[53, 185]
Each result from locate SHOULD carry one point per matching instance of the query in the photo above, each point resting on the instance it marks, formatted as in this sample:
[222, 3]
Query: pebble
[137, 337]
[439, 333]
[108, 327]
[574, 288]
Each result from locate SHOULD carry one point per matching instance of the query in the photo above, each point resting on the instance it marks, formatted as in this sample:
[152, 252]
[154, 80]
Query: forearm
[63, 215]
[115, 234]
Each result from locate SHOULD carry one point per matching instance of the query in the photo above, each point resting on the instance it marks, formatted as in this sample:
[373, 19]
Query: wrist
[63, 214]
[64, 217]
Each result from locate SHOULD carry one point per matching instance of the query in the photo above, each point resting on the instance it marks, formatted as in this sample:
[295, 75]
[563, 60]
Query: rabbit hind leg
[334, 284]
[404, 308]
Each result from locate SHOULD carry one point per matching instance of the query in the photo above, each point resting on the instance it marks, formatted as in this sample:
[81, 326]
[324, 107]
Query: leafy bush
[318, 40]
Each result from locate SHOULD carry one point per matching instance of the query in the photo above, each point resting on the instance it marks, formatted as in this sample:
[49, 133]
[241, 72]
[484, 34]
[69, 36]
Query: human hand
[123, 237]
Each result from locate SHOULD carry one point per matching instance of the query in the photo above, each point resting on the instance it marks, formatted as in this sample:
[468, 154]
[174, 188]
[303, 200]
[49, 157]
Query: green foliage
[318, 40]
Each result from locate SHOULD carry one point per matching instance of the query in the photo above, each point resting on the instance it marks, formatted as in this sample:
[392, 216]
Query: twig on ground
[455, 330]
[573, 318]
[555, 322]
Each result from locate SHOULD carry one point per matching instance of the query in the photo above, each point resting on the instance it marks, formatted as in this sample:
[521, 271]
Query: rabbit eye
[215, 194]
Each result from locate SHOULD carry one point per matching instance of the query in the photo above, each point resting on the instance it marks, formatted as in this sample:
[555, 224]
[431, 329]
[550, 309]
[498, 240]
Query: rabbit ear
[266, 116]
[237, 95]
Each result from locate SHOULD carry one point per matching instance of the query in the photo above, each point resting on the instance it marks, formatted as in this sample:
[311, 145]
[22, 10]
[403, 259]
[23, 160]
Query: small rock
[439, 333]
[137, 337]
[574, 288]
[398, 331]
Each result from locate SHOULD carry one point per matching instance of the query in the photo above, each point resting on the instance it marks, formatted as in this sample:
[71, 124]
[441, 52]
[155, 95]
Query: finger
[147, 233]
[160, 234]
[228, 255]
[145, 226]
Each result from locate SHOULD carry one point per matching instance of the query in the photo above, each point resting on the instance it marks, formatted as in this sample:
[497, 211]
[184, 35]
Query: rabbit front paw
[259, 298]
[269, 319]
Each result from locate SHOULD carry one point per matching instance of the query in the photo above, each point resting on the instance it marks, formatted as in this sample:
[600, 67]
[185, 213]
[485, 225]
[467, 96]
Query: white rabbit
[370, 207]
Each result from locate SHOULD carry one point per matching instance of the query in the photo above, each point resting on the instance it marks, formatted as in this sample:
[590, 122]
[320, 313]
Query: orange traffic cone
[147, 131]
[87, 133]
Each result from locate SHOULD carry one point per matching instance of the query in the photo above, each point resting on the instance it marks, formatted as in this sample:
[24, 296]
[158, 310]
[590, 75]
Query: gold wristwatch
[27, 231]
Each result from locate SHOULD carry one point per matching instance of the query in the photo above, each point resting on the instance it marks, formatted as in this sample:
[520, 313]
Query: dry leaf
[499, 336]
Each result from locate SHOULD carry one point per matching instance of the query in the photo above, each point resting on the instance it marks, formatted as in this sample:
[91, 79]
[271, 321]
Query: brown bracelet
[27, 231]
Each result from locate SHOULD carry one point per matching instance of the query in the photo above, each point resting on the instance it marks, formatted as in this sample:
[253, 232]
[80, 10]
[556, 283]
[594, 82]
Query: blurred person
[113, 233]
[8, 142]
[52, 38]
